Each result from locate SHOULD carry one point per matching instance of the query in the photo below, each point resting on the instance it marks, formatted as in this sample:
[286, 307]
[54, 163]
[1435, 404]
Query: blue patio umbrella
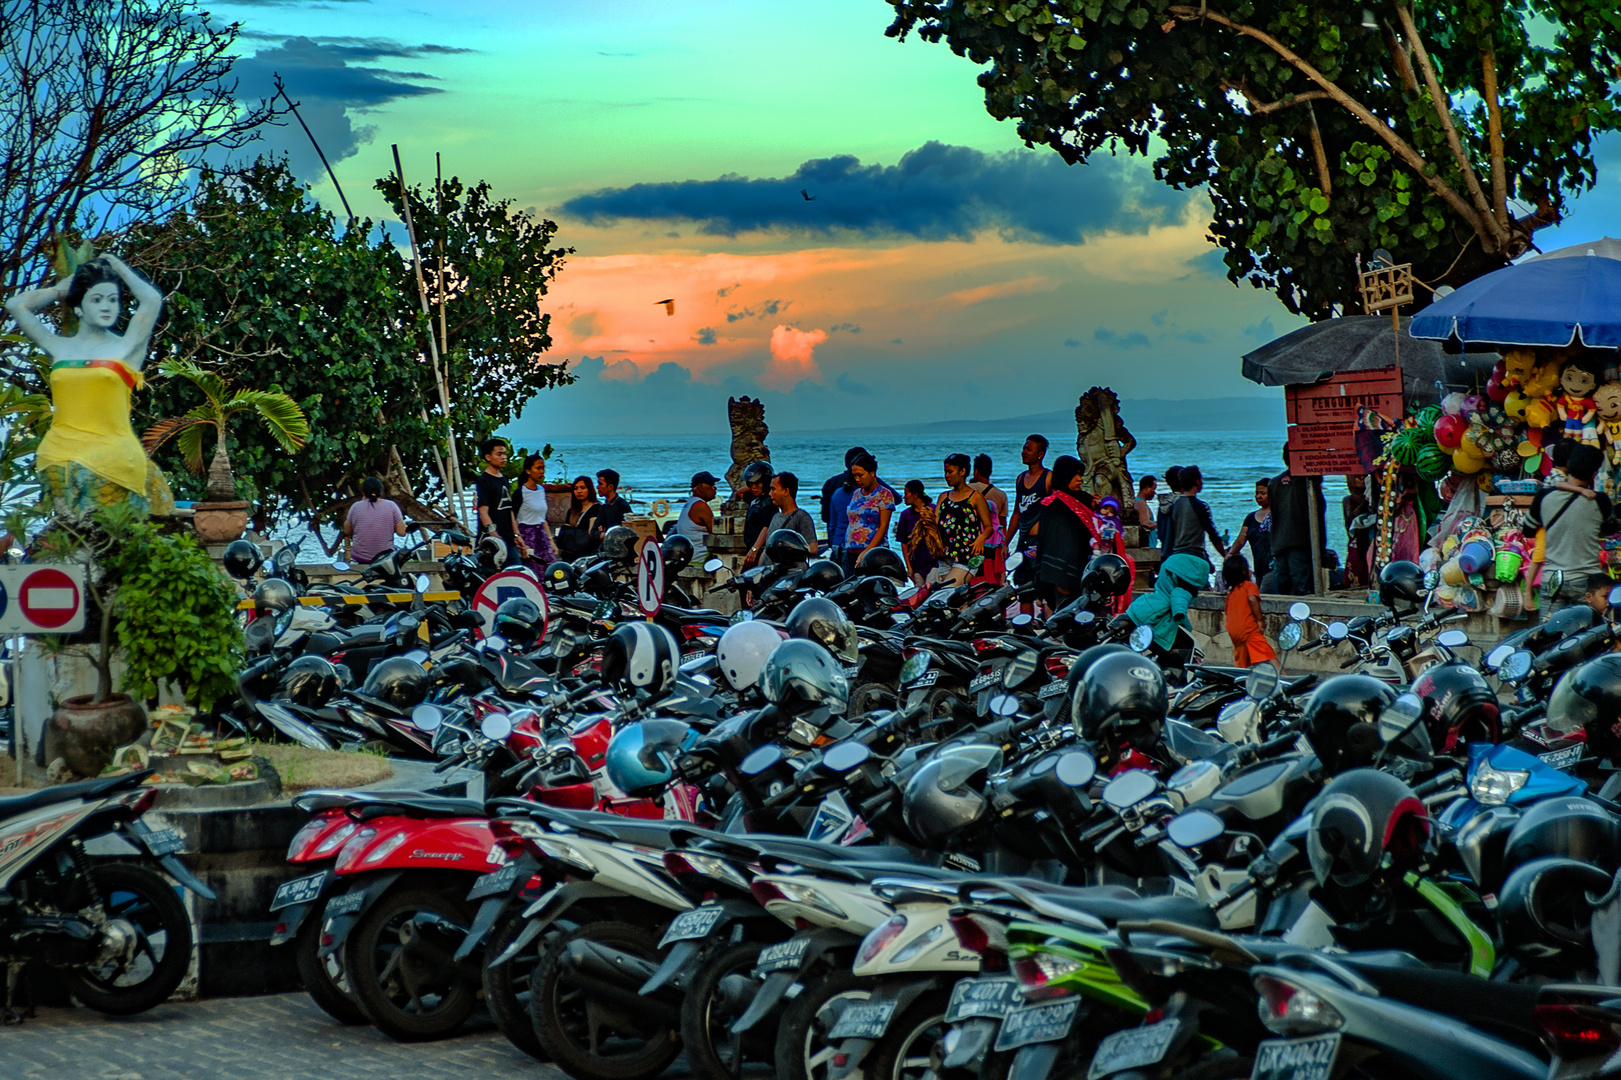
[1568, 297]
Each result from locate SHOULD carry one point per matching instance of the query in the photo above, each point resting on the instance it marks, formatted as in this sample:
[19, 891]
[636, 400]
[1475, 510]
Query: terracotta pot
[219, 522]
[86, 735]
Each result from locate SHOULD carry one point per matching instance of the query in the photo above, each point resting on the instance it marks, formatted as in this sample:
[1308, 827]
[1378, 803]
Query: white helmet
[743, 651]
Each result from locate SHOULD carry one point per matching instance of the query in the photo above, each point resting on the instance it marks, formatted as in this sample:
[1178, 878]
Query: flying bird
[669, 306]
[808, 196]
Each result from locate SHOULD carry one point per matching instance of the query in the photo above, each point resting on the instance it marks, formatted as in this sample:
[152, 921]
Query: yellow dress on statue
[90, 457]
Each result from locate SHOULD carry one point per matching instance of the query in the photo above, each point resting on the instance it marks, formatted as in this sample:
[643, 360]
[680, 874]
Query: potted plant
[156, 601]
[222, 517]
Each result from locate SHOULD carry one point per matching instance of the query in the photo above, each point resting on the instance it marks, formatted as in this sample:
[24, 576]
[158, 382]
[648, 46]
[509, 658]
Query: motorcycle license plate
[1132, 1049]
[852, 671]
[696, 923]
[783, 956]
[298, 891]
[980, 682]
[1310, 1058]
[494, 883]
[982, 997]
[1043, 1023]
[866, 1020]
[928, 678]
[161, 842]
[347, 904]
[1051, 690]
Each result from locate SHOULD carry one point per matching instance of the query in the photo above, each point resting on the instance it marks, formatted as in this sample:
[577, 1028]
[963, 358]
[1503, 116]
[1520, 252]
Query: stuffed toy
[1517, 365]
[1607, 401]
[1544, 380]
[1574, 407]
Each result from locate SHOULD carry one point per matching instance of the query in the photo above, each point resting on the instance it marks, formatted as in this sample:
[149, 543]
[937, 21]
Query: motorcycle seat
[426, 806]
[871, 870]
[1502, 1009]
[699, 615]
[13, 805]
[1112, 904]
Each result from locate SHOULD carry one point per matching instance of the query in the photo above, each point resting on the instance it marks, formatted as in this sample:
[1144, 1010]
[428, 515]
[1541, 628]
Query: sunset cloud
[793, 358]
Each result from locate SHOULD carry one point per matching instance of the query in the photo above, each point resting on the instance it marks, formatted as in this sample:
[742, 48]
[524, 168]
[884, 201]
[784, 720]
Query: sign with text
[41, 599]
[1323, 418]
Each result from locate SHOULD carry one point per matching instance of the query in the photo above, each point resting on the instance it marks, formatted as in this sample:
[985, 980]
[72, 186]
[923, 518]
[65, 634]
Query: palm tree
[281, 414]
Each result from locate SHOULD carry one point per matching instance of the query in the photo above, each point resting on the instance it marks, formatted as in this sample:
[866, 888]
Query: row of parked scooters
[859, 831]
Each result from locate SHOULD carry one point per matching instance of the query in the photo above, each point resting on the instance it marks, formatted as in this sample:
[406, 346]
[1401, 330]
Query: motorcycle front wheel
[144, 903]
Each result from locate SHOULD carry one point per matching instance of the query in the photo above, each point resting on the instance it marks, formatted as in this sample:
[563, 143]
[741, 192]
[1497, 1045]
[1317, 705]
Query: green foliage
[1220, 96]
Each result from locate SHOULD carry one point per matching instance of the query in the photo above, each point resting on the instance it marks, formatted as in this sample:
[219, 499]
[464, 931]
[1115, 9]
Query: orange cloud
[793, 358]
[997, 291]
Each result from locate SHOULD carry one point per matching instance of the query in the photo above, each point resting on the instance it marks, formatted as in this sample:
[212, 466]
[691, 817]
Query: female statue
[91, 458]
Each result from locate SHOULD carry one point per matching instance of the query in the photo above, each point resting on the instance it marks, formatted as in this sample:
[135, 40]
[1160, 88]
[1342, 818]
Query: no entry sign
[36, 599]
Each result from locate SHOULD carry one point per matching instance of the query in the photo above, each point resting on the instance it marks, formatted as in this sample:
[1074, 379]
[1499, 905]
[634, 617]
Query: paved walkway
[282, 1037]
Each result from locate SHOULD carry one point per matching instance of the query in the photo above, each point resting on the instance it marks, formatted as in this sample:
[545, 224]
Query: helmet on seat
[947, 792]
[743, 651]
[1588, 698]
[1459, 706]
[1358, 820]
[1117, 693]
[619, 543]
[823, 575]
[678, 553]
[311, 681]
[560, 578]
[801, 676]
[1107, 575]
[786, 547]
[641, 656]
[398, 682]
[519, 620]
[1341, 720]
[275, 594]
[492, 552]
[820, 620]
[884, 562]
[242, 558]
[1401, 584]
[641, 756]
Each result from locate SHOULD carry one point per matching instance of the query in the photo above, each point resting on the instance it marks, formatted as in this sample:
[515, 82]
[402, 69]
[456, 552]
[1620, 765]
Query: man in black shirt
[495, 498]
[613, 506]
[1293, 506]
[756, 481]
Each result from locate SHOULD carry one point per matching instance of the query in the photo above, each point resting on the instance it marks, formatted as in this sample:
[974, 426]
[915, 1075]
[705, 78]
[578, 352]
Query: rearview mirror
[1452, 639]
[1338, 631]
[1263, 680]
[1289, 636]
[1195, 827]
[495, 643]
[495, 727]
[1615, 596]
[712, 565]
[906, 592]
[1015, 560]
[845, 756]
[1003, 705]
[1130, 788]
[1022, 619]
[422, 582]
[1516, 667]
[1495, 658]
[1076, 769]
[340, 566]
[1141, 638]
[427, 717]
[1299, 611]
[761, 760]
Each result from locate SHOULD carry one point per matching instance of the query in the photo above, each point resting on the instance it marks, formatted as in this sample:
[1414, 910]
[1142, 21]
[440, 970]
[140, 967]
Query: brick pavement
[280, 1037]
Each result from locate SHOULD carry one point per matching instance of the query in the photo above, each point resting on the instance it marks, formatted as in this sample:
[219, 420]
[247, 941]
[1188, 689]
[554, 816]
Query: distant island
[1140, 415]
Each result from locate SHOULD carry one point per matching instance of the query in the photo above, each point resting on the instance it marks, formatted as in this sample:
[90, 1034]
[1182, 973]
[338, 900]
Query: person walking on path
[372, 524]
[495, 499]
[1030, 487]
[1244, 622]
[1257, 532]
[918, 530]
[697, 518]
[1294, 501]
[1190, 520]
[996, 546]
[530, 496]
[613, 508]
[871, 503]
[1143, 504]
[1572, 524]
[965, 517]
[836, 491]
[784, 493]
[574, 539]
[1162, 527]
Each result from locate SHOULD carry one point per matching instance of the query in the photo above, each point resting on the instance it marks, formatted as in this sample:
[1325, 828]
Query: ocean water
[661, 467]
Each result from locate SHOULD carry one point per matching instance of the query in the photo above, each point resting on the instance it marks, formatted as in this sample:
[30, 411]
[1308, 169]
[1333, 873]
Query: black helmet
[1588, 698]
[786, 547]
[802, 675]
[678, 552]
[398, 682]
[1107, 575]
[1083, 660]
[1571, 828]
[820, 620]
[884, 562]
[520, 621]
[1118, 690]
[1341, 720]
[1543, 909]
[1359, 819]
[311, 681]
[1459, 706]
[641, 656]
[242, 558]
[275, 594]
[947, 792]
[1401, 584]
[877, 592]
[823, 575]
[757, 471]
[619, 543]
[560, 578]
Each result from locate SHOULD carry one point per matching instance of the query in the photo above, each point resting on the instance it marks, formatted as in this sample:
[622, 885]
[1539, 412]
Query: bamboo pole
[444, 329]
[422, 293]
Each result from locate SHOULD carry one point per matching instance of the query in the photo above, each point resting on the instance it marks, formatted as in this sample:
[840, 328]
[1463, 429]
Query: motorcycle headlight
[1492, 787]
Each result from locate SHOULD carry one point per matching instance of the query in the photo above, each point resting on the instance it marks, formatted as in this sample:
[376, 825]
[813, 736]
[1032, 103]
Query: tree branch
[1400, 146]
[1259, 107]
[1325, 181]
[1443, 112]
[1494, 134]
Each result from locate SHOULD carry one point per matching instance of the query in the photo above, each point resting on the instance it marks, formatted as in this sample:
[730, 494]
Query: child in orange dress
[1244, 621]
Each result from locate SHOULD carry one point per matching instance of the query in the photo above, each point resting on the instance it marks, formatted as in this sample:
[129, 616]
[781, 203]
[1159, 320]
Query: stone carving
[1102, 443]
[749, 430]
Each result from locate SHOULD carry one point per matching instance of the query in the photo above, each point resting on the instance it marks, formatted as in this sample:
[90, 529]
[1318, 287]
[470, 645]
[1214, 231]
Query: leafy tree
[493, 265]
[1320, 130]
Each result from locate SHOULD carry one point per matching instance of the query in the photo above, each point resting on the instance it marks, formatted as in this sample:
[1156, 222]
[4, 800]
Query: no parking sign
[508, 585]
[650, 579]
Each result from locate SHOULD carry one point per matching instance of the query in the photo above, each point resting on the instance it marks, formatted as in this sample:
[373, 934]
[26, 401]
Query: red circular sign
[49, 598]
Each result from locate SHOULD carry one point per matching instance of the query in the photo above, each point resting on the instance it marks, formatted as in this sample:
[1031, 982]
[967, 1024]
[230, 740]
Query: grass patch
[301, 768]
